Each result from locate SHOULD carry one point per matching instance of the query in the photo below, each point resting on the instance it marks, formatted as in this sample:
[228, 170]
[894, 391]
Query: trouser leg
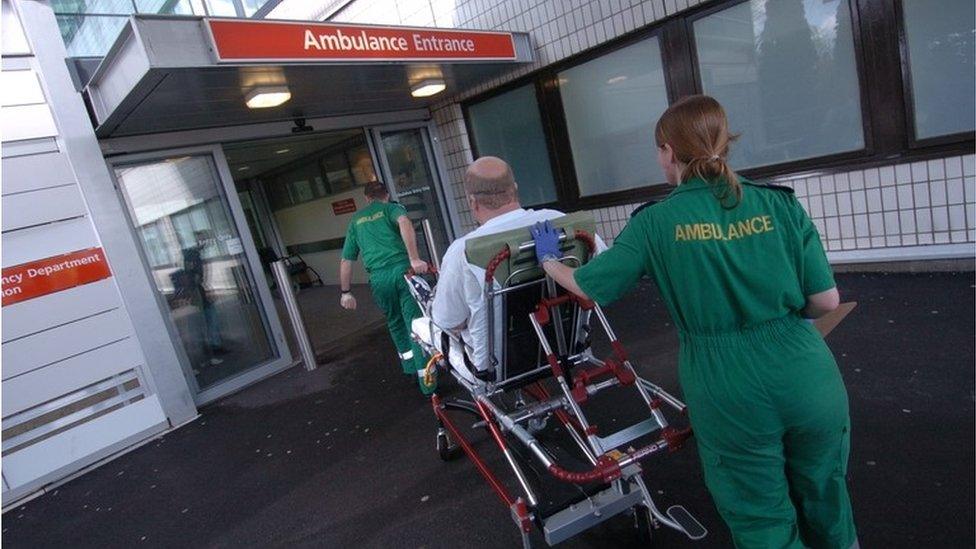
[739, 437]
[386, 294]
[817, 447]
[409, 311]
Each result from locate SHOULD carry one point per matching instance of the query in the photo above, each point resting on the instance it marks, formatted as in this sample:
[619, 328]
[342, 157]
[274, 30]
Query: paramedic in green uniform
[384, 235]
[740, 268]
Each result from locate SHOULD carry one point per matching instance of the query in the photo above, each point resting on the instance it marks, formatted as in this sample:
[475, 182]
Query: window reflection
[785, 72]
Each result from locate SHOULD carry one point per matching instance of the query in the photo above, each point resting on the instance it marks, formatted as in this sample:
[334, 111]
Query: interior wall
[315, 221]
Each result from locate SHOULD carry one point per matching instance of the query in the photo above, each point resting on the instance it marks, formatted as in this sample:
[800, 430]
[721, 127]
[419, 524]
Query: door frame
[452, 227]
[283, 358]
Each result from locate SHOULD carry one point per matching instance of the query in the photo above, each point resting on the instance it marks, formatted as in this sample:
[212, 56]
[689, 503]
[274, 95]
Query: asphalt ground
[344, 456]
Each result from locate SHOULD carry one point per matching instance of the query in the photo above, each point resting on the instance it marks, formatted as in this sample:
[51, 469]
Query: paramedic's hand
[348, 301]
[419, 266]
[546, 241]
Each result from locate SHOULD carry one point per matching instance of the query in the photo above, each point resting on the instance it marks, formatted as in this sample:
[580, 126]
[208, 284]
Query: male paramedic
[459, 303]
[384, 234]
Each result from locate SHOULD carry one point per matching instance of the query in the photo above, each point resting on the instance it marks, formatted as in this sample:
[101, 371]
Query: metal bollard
[294, 313]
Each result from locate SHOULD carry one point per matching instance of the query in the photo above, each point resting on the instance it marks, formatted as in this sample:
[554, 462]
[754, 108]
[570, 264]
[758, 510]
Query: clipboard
[829, 321]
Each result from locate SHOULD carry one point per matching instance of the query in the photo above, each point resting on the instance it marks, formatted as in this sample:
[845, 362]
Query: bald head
[490, 182]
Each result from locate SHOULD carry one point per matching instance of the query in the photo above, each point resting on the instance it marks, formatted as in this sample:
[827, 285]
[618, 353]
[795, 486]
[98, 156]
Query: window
[940, 54]
[785, 72]
[157, 248]
[611, 105]
[509, 126]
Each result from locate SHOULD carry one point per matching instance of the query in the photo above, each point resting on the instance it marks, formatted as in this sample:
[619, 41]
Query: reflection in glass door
[199, 265]
[408, 165]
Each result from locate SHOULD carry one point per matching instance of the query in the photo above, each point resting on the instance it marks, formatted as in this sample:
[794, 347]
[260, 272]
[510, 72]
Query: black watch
[344, 292]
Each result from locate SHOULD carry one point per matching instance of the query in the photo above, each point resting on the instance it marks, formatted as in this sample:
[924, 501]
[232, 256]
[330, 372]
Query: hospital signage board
[236, 41]
[346, 206]
[53, 274]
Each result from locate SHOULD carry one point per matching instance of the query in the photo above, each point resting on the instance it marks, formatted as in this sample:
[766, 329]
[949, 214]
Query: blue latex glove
[546, 241]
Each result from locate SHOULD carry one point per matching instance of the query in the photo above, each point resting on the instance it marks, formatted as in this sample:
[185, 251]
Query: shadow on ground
[343, 457]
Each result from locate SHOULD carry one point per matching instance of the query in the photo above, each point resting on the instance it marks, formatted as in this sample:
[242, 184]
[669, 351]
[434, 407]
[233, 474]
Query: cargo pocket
[844, 450]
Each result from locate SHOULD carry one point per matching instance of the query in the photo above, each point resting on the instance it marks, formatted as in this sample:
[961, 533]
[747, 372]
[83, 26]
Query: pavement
[344, 456]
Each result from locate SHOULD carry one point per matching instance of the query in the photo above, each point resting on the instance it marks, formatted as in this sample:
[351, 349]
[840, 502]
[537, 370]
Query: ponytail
[697, 130]
[716, 170]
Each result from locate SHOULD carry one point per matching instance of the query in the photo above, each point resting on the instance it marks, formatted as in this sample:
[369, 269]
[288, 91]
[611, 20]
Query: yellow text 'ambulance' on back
[714, 231]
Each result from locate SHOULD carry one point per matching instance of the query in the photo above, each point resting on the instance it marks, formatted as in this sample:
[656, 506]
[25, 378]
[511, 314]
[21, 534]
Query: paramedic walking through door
[739, 266]
[384, 235]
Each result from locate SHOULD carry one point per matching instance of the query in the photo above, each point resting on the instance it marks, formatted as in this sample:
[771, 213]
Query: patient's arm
[563, 275]
[449, 309]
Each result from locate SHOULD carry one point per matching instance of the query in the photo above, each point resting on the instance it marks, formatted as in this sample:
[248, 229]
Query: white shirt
[460, 298]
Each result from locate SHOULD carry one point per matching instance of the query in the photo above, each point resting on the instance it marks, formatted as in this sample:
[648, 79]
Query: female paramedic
[739, 266]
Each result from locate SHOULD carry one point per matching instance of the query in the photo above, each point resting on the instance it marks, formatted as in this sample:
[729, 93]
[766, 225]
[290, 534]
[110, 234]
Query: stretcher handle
[506, 252]
[606, 469]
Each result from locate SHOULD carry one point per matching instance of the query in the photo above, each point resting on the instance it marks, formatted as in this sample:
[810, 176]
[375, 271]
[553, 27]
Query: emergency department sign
[53, 274]
[237, 41]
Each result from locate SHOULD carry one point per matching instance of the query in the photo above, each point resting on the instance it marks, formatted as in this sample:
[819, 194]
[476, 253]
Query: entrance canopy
[178, 73]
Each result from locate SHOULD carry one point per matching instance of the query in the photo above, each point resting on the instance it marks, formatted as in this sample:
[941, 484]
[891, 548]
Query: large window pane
[114, 7]
[89, 35]
[785, 72]
[508, 126]
[611, 106]
[943, 73]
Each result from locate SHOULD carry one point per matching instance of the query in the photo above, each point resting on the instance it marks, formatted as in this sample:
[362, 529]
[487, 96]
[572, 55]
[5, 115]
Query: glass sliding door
[203, 264]
[409, 170]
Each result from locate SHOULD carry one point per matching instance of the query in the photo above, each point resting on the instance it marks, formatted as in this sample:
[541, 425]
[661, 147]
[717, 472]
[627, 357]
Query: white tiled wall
[896, 208]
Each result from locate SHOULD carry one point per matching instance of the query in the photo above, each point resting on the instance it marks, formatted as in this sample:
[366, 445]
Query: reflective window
[943, 72]
[509, 126]
[198, 266]
[785, 72]
[89, 27]
[89, 35]
[611, 105]
[112, 7]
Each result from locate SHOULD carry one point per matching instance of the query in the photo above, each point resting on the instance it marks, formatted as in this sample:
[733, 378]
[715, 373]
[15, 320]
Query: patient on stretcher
[459, 304]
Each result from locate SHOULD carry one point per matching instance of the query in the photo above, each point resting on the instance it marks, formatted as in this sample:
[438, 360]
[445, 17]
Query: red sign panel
[236, 41]
[346, 206]
[46, 276]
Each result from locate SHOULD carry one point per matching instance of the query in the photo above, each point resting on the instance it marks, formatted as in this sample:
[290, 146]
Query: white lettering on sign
[363, 42]
[432, 43]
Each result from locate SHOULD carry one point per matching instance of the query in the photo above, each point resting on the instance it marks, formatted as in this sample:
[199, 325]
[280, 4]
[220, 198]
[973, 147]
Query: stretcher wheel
[643, 524]
[446, 449]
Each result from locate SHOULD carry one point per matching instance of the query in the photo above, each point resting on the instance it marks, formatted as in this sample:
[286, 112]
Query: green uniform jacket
[373, 231]
[718, 268]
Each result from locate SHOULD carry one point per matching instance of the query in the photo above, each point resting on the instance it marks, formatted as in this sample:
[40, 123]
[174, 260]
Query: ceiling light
[263, 97]
[243, 168]
[427, 88]
[616, 79]
[282, 151]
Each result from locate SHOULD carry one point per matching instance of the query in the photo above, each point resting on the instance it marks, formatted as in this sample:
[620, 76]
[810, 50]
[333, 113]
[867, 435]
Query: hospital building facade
[159, 157]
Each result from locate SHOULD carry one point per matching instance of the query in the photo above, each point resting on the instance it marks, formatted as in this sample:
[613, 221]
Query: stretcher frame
[612, 462]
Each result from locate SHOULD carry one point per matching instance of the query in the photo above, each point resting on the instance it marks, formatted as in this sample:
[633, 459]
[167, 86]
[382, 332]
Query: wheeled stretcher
[543, 384]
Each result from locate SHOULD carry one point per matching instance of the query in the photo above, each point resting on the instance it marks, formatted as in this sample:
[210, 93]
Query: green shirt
[718, 269]
[374, 232]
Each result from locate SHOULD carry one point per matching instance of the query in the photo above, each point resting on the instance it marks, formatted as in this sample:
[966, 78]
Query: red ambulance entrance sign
[46, 276]
[238, 41]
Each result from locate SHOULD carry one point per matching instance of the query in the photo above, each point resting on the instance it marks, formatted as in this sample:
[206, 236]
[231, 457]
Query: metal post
[431, 247]
[294, 313]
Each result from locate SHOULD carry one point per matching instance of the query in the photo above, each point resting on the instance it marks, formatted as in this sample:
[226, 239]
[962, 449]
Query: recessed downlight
[263, 97]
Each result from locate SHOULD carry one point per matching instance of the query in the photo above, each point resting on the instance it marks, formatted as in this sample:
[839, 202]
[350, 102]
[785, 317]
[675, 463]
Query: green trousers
[393, 297]
[770, 415]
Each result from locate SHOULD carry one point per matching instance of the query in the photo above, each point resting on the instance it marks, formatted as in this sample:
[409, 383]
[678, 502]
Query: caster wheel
[643, 524]
[446, 449]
